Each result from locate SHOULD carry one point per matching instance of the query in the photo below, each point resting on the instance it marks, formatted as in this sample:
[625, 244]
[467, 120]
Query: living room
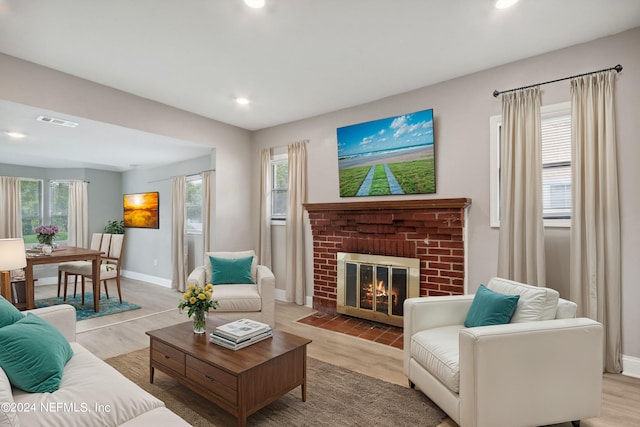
[462, 108]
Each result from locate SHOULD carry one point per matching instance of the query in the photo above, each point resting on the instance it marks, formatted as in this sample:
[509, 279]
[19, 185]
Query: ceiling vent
[55, 121]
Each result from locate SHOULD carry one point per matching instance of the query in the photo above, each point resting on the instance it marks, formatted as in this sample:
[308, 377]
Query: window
[556, 165]
[59, 207]
[193, 204]
[31, 207]
[279, 186]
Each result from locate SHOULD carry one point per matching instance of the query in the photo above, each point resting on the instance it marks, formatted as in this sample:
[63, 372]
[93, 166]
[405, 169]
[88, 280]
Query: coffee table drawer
[168, 356]
[213, 379]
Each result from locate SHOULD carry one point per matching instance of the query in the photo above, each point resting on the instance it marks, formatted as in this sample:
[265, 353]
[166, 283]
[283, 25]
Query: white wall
[31, 84]
[462, 108]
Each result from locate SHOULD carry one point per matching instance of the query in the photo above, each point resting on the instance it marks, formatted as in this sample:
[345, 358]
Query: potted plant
[114, 227]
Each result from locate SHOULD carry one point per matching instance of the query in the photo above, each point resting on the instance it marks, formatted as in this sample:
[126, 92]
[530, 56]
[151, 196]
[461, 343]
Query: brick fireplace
[430, 230]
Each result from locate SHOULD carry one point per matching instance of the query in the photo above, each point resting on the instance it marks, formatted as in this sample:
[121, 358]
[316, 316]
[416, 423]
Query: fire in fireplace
[374, 287]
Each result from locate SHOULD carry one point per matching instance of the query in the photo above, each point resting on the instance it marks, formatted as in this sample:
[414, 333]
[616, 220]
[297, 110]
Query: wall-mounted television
[388, 156]
[141, 210]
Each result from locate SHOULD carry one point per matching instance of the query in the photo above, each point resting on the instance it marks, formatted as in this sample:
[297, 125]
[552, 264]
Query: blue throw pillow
[9, 314]
[231, 270]
[33, 354]
[490, 308]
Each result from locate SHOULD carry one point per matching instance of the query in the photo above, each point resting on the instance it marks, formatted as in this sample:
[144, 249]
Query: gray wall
[105, 197]
[148, 251]
[462, 108]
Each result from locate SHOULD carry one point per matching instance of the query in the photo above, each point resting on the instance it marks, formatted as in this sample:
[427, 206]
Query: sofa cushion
[239, 254]
[566, 309]
[237, 297]
[33, 354]
[7, 418]
[490, 308]
[536, 303]
[9, 314]
[157, 417]
[437, 351]
[91, 393]
[231, 270]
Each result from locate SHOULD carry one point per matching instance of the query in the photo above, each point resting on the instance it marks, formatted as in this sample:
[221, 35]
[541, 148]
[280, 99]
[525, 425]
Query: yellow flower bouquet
[198, 300]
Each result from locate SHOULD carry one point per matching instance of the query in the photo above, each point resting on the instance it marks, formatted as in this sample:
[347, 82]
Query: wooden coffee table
[240, 382]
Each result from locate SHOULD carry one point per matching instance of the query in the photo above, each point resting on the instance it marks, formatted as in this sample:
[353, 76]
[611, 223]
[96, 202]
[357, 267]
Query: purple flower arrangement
[46, 233]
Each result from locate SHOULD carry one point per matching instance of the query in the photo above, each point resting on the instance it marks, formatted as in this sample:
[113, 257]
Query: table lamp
[12, 257]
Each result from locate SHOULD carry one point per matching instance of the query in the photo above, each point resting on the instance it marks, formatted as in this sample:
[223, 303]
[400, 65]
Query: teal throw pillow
[33, 354]
[231, 270]
[9, 314]
[490, 308]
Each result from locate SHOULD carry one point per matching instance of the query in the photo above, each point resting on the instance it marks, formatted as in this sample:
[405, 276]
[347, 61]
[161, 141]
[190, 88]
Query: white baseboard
[47, 281]
[280, 295]
[631, 366]
[165, 283]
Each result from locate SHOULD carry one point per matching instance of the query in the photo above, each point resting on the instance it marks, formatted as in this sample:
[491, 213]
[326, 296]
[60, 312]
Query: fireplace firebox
[374, 287]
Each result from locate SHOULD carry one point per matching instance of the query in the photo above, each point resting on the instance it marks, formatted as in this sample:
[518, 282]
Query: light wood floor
[121, 333]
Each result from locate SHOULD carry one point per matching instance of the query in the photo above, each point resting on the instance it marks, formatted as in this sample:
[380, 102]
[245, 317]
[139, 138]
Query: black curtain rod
[618, 68]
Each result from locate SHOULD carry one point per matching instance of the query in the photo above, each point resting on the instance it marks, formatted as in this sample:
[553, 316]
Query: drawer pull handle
[209, 378]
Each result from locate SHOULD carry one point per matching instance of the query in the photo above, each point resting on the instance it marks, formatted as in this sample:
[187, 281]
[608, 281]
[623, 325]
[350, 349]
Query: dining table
[63, 254]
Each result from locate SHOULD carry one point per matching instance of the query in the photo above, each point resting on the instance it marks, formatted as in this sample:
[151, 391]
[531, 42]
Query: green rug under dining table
[108, 306]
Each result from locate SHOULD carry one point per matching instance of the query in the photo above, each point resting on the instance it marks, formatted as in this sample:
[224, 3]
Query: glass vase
[199, 322]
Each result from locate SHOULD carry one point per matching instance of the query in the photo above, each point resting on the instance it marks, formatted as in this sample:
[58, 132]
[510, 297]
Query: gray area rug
[335, 397]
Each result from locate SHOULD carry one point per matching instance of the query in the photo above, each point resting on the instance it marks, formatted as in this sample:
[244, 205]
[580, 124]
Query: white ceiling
[91, 144]
[294, 58]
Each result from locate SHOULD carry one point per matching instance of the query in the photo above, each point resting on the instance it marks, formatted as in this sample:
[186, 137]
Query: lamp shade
[12, 254]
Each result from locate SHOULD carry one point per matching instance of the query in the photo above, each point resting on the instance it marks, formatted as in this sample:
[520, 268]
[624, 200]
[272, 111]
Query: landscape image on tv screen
[388, 156]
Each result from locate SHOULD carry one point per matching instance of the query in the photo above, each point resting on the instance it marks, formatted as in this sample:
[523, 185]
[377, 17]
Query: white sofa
[91, 393]
[544, 367]
[242, 297]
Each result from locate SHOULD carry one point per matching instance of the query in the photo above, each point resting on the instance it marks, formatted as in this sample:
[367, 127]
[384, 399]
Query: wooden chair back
[105, 243]
[115, 250]
[96, 241]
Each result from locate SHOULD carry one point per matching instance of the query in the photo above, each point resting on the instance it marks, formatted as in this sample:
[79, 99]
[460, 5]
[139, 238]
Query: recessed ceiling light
[256, 4]
[503, 4]
[242, 101]
[16, 135]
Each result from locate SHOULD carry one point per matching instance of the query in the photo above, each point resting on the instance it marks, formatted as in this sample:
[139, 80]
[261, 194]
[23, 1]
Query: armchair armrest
[432, 312]
[197, 276]
[555, 363]
[62, 316]
[266, 282]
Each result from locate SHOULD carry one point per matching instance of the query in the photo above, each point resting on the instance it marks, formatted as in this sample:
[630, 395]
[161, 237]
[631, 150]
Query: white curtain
[264, 225]
[10, 211]
[595, 221]
[178, 233]
[78, 219]
[208, 184]
[296, 196]
[521, 241]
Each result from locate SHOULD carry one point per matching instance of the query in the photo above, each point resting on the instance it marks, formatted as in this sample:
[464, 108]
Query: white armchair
[531, 373]
[240, 297]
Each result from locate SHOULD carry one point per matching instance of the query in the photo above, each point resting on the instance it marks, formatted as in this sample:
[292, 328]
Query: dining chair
[112, 246]
[65, 267]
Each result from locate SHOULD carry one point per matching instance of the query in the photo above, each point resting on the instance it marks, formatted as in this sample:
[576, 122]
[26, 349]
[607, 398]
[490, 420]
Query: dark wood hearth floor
[368, 330]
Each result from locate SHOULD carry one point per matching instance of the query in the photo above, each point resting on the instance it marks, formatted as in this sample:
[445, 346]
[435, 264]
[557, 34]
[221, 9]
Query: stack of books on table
[240, 334]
